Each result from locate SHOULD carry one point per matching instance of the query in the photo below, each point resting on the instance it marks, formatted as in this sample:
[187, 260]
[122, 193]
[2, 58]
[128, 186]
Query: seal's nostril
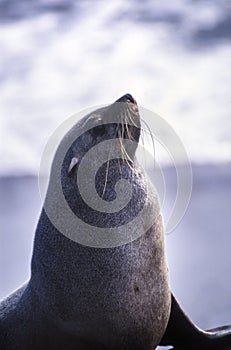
[129, 98]
[126, 98]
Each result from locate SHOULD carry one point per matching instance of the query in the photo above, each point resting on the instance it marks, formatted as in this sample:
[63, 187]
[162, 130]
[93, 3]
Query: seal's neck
[64, 272]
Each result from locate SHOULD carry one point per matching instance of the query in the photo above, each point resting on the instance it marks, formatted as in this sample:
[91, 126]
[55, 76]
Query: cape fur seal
[85, 297]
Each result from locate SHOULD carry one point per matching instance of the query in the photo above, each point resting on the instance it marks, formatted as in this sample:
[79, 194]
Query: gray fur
[80, 297]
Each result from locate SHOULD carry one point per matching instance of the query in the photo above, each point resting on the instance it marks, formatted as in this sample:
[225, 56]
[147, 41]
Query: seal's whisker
[148, 131]
[131, 119]
[106, 176]
[127, 158]
[119, 165]
[121, 144]
[123, 151]
[128, 131]
[122, 132]
[142, 142]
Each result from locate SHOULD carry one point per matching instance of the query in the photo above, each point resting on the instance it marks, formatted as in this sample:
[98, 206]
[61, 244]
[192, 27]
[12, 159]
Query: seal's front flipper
[182, 334]
[221, 329]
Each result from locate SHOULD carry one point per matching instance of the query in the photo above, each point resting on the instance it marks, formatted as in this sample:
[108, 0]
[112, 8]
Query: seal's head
[119, 121]
[95, 178]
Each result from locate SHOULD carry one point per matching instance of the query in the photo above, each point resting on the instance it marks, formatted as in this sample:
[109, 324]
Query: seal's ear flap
[72, 165]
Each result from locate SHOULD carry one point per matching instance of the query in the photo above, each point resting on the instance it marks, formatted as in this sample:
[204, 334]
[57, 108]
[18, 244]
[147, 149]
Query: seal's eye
[98, 130]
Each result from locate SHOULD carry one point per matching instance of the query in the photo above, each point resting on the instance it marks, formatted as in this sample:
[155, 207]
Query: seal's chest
[127, 291]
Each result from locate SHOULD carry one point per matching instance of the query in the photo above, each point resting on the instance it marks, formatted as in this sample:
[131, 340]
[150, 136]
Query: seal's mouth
[128, 118]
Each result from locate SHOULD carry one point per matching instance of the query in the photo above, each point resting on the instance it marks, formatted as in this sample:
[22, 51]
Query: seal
[99, 281]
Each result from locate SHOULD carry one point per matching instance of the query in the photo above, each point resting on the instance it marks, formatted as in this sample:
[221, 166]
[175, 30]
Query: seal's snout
[127, 98]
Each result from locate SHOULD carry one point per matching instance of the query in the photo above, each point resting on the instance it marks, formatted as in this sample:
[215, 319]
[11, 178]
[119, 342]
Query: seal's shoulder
[10, 303]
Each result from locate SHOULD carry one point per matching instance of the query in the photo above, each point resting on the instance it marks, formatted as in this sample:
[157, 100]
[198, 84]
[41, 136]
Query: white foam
[52, 68]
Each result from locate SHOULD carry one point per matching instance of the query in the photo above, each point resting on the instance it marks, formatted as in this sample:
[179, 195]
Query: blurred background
[59, 57]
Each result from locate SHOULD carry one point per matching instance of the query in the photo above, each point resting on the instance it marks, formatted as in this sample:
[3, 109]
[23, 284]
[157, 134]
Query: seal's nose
[127, 98]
